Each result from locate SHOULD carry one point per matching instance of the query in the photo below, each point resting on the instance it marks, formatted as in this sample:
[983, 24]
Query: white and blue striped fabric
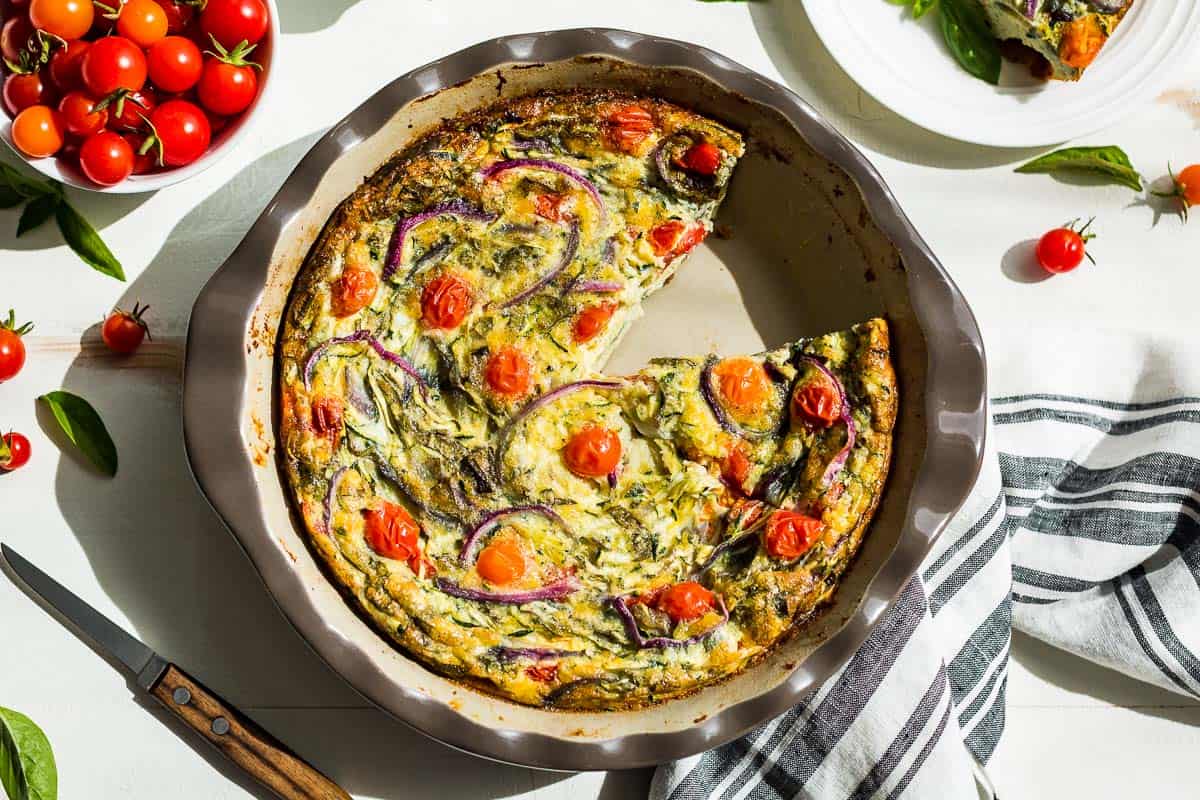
[1083, 531]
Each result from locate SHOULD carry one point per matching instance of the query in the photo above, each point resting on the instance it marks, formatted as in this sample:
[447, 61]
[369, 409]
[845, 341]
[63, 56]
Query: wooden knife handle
[241, 741]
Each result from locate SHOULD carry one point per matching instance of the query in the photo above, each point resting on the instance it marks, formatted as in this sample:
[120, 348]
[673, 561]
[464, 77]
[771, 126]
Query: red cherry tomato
[393, 533]
[183, 131]
[549, 206]
[179, 15]
[123, 331]
[353, 291]
[593, 452]
[14, 451]
[327, 418]
[66, 64]
[23, 91]
[66, 19]
[445, 302]
[14, 36]
[542, 673]
[790, 534]
[12, 349]
[106, 158]
[501, 562]
[38, 131]
[127, 113]
[143, 22]
[1063, 249]
[686, 601]
[592, 320]
[629, 126]
[816, 401]
[702, 158]
[145, 157]
[743, 383]
[80, 116]
[113, 63]
[508, 372]
[736, 467]
[234, 21]
[174, 63]
[674, 238]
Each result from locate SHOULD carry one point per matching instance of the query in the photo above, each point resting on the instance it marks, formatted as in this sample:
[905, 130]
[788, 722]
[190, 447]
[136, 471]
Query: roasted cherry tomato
[183, 131]
[508, 372]
[542, 673]
[174, 63]
[592, 320]
[66, 19]
[501, 562]
[702, 158]
[816, 402]
[743, 383]
[228, 84]
[112, 63]
[674, 238]
[234, 21]
[393, 533]
[106, 158]
[1063, 249]
[143, 22]
[327, 413]
[14, 36]
[446, 301]
[736, 466]
[549, 206]
[790, 534]
[179, 14]
[24, 90]
[79, 114]
[1081, 41]
[38, 131]
[123, 331]
[628, 127]
[593, 451]
[14, 451]
[12, 349]
[353, 291]
[686, 601]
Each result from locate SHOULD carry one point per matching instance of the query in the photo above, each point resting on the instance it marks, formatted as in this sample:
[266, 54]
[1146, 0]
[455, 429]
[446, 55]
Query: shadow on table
[166, 561]
[807, 67]
[307, 16]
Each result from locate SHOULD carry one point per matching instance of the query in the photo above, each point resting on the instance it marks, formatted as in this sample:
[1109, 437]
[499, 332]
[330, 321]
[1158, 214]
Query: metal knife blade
[147, 666]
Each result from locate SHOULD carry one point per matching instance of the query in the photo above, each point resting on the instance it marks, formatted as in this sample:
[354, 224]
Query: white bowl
[223, 142]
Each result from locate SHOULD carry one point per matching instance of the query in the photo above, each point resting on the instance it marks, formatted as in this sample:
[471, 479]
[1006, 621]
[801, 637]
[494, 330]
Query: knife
[224, 727]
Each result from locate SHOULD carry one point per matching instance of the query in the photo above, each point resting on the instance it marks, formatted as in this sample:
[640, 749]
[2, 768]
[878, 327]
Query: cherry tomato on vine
[174, 63]
[79, 114]
[123, 331]
[145, 152]
[66, 64]
[501, 562]
[143, 22]
[1063, 249]
[38, 131]
[183, 131]
[14, 451]
[12, 349]
[66, 19]
[508, 372]
[593, 452]
[234, 21]
[127, 111]
[106, 158]
[14, 36]
[445, 302]
[686, 601]
[228, 84]
[113, 63]
[24, 90]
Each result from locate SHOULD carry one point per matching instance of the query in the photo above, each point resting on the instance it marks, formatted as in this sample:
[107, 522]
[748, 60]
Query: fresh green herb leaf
[27, 769]
[84, 428]
[1109, 162]
[81, 237]
[22, 185]
[969, 37]
[10, 197]
[921, 7]
[37, 212]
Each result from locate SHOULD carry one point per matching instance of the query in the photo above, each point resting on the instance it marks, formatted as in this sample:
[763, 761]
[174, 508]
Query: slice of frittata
[1066, 35]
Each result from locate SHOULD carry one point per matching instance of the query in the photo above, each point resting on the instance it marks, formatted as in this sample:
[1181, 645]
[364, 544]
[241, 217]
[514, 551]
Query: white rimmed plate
[904, 64]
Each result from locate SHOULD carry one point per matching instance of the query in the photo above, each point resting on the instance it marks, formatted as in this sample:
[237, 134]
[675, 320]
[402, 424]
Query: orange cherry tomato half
[743, 383]
[67, 19]
[38, 131]
[593, 452]
[508, 372]
[674, 238]
[393, 533]
[702, 158]
[817, 403]
[501, 562]
[353, 291]
[629, 126]
[592, 320]
[686, 601]
[790, 534]
[446, 302]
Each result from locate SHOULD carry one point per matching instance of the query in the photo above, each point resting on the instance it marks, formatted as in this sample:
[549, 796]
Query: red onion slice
[839, 461]
[492, 521]
[403, 363]
[574, 175]
[559, 589]
[330, 496]
[538, 402]
[564, 261]
[532, 653]
[619, 604]
[596, 287]
[455, 208]
[1031, 8]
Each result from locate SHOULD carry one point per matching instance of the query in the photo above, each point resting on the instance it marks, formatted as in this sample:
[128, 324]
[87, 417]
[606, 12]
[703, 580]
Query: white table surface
[146, 549]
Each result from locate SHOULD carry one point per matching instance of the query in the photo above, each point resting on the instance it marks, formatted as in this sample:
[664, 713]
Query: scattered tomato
[66, 19]
[174, 64]
[816, 402]
[143, 22]
[675, 238]
[743, 383]
[14, 451]
[14, 37]
[686, 601]
[124, 331]
[106, 158]
[182, 129]
[38, 131]
[1063, 249]
[702, 158]
[593, 452]
[113, 63]
[393, 533]
[508, 372]
[12, 349]
[22, 90]
[353, 291]
[66, 64]
[79, 114]
[501, 562]
[790, 534]
[445, 302]
[592, 320]
[233, 21]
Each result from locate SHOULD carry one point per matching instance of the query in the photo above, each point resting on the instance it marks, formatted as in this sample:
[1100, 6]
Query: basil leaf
[1109, 162]
[921, 7]
[27, 769]
[81, 237]
[10, 197]
[969, 37]
[37, 212]
[26, 187]
[84, 428]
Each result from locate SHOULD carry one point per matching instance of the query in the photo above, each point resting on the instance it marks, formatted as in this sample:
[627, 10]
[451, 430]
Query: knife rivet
[181, 696]
[220, 726]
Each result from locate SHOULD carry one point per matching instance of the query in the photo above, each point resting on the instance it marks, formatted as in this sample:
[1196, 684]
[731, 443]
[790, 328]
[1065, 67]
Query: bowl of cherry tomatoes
[132, 95]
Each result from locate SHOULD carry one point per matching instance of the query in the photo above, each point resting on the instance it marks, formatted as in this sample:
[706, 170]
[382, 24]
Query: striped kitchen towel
[1082, 531]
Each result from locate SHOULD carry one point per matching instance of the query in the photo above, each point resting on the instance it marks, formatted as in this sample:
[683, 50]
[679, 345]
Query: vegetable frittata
[502, 511]
[1067, 35]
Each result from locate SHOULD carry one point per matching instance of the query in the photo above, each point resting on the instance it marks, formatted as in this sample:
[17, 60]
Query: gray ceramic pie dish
[811, 241]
